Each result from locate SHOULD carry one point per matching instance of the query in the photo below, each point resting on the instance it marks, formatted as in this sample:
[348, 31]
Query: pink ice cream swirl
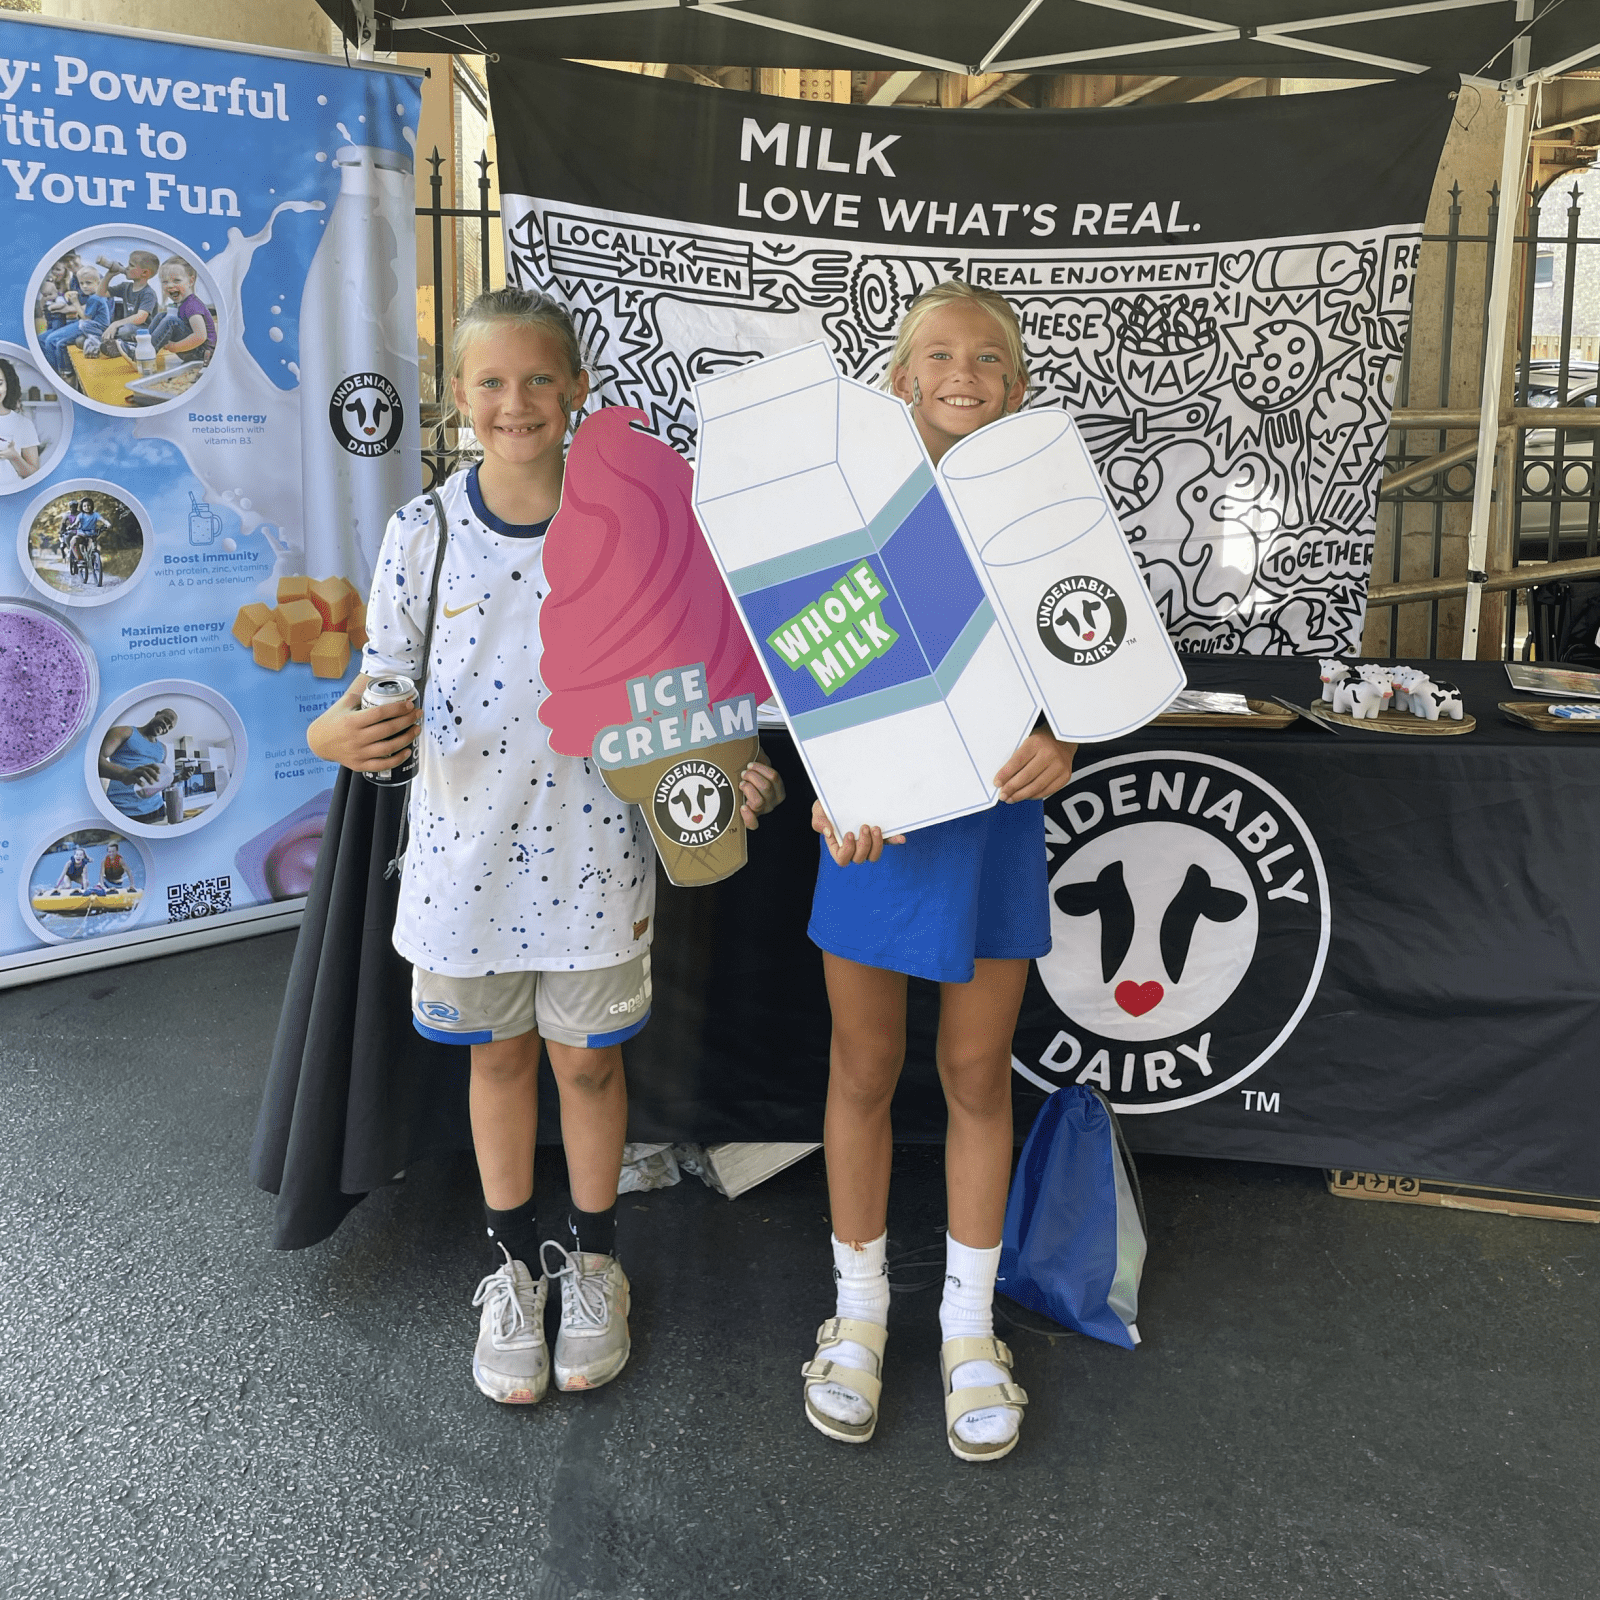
[633, 589]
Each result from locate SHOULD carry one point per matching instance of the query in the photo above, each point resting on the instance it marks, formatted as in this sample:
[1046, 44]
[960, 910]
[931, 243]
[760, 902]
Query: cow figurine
[1333, 674]
[1407, 682]
[1364, 696]
[1434, 700]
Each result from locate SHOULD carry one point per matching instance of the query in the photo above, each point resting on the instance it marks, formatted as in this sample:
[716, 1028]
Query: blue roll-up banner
[208, 408]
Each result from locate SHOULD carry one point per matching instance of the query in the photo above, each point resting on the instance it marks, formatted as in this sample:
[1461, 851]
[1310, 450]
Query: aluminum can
[388, 692]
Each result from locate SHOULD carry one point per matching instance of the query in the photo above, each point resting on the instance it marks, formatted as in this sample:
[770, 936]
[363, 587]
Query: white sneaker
[593, 1344]
[511, 1363]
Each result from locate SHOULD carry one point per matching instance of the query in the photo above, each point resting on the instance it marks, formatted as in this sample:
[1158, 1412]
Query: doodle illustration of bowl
[1166, 349]
[1281, 368]
[49, 686]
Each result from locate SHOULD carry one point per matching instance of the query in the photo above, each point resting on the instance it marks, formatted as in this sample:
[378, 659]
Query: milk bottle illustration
[1062, 579]
[359, 436]
[821, 508]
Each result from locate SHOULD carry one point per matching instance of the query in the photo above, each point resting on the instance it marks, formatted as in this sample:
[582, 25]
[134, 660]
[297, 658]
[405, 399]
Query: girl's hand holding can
[373, 739]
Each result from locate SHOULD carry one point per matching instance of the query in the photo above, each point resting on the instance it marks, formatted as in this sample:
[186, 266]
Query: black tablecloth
[1448, 1020]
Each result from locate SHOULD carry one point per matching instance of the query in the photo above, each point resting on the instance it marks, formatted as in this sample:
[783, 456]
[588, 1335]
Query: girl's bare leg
[594, 1120]
[868, 1051]
[504, 1103]
[976, 1022]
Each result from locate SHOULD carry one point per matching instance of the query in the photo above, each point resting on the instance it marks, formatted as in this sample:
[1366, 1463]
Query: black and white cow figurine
[1434, 700]
[1334, 672]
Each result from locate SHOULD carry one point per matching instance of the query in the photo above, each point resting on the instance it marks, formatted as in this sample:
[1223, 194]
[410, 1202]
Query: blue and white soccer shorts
[593, 1009]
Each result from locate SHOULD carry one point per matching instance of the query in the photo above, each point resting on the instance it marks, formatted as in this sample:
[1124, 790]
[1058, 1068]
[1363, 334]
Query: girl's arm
[378, 738]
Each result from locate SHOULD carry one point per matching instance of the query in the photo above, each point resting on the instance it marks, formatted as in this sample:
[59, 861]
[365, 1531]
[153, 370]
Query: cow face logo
[1189, 922]
[694, 803]
[1081, 620]
[366, 414]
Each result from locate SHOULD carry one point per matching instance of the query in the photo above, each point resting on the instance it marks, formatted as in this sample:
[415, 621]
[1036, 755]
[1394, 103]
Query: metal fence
[442, 448]
[1428, 486]
[1548, 494]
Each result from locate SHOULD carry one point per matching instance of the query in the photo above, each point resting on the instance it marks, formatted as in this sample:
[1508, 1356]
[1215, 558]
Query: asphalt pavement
[1333, 1399]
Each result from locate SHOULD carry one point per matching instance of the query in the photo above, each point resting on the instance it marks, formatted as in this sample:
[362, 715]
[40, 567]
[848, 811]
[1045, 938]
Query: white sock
[967, 1312]
[862, 1276]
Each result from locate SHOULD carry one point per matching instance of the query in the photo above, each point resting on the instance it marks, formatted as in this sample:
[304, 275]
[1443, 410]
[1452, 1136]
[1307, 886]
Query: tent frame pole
[1516, 93]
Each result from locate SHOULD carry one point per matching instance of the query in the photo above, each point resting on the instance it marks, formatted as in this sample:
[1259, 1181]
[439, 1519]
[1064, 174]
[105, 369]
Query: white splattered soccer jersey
[520, 859]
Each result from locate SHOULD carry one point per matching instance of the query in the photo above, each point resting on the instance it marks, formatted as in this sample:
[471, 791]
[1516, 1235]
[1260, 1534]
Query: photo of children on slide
[125, 320]
[168, 758]
[85, 543]
[86, 884]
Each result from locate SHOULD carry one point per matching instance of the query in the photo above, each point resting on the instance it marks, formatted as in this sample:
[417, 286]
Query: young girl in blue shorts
[964, 903]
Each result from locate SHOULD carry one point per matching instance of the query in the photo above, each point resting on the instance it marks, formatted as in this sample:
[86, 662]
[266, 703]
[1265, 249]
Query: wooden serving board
[1532, 714]
[1398, 722]
[1263, 716]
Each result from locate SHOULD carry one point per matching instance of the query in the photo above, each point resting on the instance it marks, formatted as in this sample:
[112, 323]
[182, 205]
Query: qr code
[205, 897]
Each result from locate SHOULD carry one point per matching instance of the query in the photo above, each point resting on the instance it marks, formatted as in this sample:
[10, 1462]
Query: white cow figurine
[1334, 672]
[1365, 695]
[1434, 700]
[1407, 681]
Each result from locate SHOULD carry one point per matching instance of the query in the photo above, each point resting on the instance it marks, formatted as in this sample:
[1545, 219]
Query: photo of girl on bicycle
[85, 543]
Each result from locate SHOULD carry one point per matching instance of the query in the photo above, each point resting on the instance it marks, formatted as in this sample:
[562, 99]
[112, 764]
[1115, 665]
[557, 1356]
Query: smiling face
[517, 388]
[175, 282]
[959, 367]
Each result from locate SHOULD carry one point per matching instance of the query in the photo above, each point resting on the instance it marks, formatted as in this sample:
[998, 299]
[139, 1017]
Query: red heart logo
[1138, 998]
[1088, 636]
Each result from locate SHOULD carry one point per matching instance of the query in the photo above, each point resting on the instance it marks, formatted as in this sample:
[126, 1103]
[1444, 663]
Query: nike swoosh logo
[467, 607]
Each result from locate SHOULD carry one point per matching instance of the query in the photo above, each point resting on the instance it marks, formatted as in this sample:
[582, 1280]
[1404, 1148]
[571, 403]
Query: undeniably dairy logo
[694, 803]
[1189, 921]
[840, 632]
[1081, 620]
[366, 414]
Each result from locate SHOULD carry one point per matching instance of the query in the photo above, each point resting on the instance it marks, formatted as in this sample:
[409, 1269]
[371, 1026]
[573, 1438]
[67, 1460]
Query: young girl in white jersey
[964, 903]
[528, 892]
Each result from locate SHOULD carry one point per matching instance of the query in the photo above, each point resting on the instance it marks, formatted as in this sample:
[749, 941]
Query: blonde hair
[187, 270]
[523, 308]
[955, 292]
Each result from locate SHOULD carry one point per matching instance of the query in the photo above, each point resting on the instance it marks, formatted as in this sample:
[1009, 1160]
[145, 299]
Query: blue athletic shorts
[977, 887]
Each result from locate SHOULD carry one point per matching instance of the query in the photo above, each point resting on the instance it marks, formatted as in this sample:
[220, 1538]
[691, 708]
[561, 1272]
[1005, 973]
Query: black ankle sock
[517, 1231]
[593, 1231]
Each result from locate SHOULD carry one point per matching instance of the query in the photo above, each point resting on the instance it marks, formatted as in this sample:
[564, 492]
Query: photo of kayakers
[87, 883]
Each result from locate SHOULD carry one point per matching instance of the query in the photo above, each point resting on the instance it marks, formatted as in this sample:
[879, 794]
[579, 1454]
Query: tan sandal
[868, 1385]
[958, 1402]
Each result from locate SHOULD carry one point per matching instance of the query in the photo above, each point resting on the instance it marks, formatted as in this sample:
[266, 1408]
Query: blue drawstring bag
[1074, 1242]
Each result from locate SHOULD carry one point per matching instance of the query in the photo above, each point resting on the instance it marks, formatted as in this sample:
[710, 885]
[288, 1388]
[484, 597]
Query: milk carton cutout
[359, 436]
[819, 503]
[1060, 576]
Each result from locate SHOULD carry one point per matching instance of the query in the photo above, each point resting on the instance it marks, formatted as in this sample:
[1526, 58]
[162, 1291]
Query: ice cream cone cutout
[649, 670]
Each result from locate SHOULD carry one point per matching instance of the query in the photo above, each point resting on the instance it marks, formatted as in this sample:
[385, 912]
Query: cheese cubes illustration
[818, 501]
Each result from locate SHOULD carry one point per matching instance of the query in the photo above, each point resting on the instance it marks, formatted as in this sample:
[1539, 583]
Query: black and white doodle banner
[1219, 294]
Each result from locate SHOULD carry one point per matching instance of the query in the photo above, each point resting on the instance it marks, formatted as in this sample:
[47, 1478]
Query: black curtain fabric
[354, 1093]
[1446, 1024]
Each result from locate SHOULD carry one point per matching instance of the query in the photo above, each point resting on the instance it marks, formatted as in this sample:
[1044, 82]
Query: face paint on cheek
[916, 391]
